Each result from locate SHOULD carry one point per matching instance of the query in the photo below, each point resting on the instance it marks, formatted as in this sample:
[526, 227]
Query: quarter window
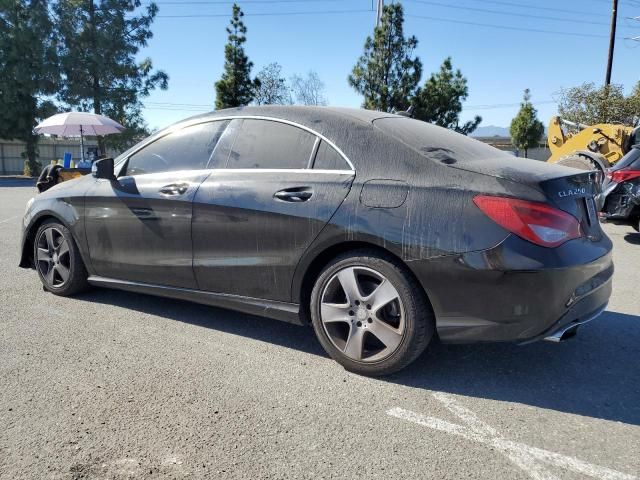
[186, 149]
[328, 158]
[267, 144]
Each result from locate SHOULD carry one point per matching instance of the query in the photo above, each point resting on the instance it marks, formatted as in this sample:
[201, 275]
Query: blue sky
[499, 60]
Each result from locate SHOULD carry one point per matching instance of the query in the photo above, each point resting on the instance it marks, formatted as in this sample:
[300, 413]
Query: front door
[138, 227]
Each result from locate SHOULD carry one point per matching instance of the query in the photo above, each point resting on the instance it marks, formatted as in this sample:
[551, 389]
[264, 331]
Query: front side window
[186, 149]
[267, 144]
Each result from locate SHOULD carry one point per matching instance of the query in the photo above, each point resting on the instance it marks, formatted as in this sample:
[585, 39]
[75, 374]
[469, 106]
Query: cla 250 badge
[572, 192]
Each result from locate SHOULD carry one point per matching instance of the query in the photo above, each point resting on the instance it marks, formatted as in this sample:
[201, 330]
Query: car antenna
[408, 112]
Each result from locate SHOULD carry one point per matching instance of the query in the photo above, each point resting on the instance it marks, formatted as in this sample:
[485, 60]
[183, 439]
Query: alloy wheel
[362, 314]
[53, 257]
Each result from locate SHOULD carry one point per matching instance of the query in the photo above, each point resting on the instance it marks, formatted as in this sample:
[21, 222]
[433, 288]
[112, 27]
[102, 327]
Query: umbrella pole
[81, 145]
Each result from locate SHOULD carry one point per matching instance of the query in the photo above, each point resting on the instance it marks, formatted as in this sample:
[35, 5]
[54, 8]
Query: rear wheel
[369, 313]
[58, 260]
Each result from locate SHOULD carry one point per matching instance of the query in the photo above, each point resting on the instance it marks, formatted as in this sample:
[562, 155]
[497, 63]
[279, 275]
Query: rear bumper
[517, 291]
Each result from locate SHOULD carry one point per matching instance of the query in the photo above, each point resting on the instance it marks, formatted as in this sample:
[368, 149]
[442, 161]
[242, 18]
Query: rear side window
[328, 158]
[267, 144]
[186, 149]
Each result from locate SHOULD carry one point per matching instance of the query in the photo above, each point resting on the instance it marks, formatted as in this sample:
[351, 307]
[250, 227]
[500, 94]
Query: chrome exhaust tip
[570, 329]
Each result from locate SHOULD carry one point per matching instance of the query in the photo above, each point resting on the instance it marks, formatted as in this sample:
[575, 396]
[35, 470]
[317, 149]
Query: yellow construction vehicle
[589, 147]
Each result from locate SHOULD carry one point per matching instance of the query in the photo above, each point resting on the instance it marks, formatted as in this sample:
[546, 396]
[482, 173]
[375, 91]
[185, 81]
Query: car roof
[309, 116]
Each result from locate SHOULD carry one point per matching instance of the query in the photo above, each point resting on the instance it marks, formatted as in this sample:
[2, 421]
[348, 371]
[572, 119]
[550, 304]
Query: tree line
[58, 55]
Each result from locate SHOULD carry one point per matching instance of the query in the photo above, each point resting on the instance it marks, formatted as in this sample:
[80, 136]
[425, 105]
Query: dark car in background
[621, 190]
[381, 231]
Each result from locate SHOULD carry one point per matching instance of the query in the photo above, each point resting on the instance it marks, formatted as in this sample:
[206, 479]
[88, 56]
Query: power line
[506, 27]
[265, 14]
[506, 105]
[499, 12]
[424, 17]
[231, 2]
[195, 107]
[536, 7]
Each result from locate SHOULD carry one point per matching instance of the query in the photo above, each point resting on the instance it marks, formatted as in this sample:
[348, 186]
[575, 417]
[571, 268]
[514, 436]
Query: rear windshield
[437, 143]
[631, 159]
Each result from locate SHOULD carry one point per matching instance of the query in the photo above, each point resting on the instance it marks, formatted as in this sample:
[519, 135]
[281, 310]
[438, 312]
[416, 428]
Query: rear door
[139, 226]
[263, 205]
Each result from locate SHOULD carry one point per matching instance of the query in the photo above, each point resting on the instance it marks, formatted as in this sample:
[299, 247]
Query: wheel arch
[26, 255]
[301, 292]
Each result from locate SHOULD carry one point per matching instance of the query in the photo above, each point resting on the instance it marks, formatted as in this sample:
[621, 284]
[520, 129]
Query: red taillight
[620, 176]
[536, 222]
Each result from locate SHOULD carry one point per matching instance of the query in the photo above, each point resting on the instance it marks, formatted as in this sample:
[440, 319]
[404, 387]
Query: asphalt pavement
[115, 385]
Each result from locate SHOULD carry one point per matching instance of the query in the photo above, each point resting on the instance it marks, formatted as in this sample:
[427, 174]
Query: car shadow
[632, 238]
[236, 323]
[595, 374]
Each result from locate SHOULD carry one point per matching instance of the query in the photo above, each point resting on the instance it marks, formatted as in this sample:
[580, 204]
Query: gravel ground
[118, 385]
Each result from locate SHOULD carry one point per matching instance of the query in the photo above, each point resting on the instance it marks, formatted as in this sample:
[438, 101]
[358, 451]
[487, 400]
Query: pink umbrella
[74, 124]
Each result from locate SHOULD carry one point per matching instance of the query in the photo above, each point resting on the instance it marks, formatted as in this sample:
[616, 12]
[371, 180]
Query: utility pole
[379, 12]
[612, 41]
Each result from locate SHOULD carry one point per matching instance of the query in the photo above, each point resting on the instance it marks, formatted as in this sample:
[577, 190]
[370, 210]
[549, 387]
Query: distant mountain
[490, 131]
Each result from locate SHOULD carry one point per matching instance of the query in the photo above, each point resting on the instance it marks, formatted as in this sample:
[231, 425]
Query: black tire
[74, 279]
[418, 324]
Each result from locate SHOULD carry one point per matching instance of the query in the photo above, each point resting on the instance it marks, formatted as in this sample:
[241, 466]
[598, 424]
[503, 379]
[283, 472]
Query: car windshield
[631, 159]
[436, 143]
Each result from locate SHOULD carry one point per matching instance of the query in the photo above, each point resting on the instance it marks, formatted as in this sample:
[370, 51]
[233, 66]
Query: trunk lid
[568, 189]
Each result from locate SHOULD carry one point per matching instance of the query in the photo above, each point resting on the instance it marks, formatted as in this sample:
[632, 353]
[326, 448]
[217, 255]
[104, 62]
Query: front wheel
[369, 313]
[57, 260]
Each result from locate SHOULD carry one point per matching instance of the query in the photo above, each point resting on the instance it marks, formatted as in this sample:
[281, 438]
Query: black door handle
[294, 195]
[174, 189]
[144, 213]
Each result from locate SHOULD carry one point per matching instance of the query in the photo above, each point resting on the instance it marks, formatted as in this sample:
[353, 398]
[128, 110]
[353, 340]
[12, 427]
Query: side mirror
[103, 169]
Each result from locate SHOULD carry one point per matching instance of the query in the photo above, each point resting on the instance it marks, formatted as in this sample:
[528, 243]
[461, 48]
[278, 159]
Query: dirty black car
[381, 231]
[621, 190]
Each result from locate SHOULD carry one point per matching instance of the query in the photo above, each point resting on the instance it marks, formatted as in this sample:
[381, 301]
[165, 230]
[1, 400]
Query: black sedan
[381, 231]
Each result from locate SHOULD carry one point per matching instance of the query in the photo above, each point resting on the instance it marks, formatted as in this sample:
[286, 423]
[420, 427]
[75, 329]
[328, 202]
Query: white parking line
[531, 460]
[9, 219]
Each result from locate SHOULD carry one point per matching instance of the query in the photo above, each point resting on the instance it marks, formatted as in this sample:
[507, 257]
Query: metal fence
[12, 163]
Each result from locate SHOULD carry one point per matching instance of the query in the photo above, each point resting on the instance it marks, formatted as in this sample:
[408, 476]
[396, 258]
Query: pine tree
[28, 73]
[526, 129]
[388, 73]
[439, 101]
[100, 40]
[236, 88]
